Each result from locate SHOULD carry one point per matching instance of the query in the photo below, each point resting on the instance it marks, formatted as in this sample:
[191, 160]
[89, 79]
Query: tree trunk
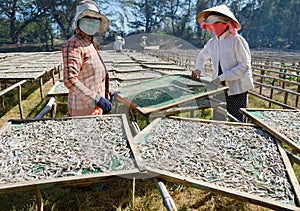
[14, 36]
[147, 27]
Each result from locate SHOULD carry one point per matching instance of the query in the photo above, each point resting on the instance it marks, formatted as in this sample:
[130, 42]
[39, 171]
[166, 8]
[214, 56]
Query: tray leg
[39, 200]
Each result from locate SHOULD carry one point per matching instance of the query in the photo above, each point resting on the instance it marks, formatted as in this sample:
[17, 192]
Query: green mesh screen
[164, 91]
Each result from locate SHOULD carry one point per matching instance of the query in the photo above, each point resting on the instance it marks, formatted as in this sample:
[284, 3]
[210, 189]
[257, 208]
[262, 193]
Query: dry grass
[31, 105]
[117, 195]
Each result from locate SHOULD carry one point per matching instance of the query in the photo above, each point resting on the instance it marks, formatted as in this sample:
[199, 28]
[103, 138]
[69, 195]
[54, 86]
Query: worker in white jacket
[118, 44]
[230, 56]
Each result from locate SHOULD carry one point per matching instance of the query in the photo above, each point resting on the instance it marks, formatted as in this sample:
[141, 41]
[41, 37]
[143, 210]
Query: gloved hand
[104, 104]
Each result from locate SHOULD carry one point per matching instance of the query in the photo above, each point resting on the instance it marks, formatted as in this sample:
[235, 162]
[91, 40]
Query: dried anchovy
[60, 88]
[115, 84]
[240, 157]
[51, 149]
[137, 75]
[171, 72]
[129, 66]
[164, 66]
[286, 123]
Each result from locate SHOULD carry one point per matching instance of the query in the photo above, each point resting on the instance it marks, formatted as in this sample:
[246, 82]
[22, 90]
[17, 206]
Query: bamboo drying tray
[255, 114]
[165, 92]
[172, 161]
[67, 141]
[162, 66]
[58, 89]
[137, 75]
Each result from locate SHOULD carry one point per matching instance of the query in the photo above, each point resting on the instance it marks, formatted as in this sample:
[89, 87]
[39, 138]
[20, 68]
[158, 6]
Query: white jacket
[235, 59]
[118, 44]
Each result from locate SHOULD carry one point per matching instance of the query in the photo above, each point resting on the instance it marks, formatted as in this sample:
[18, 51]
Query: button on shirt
[84, 73]
[233, 54]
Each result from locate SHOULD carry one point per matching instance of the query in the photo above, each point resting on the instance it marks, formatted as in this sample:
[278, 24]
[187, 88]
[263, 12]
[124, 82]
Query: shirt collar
[224, 35]
[84, 36]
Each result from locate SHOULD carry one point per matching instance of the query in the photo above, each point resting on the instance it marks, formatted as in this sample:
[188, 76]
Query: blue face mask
[89, 25]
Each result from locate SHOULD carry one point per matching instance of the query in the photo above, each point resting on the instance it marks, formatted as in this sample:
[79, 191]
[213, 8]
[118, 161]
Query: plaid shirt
[84, 73]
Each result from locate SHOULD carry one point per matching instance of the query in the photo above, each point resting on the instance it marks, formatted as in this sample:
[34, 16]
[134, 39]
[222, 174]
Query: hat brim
[215, 20]
[104, 21]
[202, 16]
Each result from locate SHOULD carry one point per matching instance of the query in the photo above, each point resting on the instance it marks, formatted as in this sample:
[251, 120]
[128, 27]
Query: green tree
[277, 24]
[19, 15]
[201, 35]
[174, 17]
[4, 33]
[144, 15]
[118, 14]
[265, 23]
[178, 17]
[63, 13]
[246, 16]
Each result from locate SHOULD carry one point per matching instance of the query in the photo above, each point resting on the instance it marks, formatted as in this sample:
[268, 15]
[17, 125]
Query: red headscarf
[218, 28]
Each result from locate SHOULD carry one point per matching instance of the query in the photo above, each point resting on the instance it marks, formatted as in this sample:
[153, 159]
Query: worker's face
[89, 25]
[217, 28]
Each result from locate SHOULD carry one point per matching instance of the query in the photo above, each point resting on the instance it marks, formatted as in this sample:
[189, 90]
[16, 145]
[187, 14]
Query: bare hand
[195, 74]
[217, 81]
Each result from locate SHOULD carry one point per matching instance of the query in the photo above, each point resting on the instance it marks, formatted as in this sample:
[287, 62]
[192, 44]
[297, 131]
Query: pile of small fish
[60, 88]
[55, 148]
[171, 72]
[287, 123]
[240, 157]
[113, 84]
[145, 74]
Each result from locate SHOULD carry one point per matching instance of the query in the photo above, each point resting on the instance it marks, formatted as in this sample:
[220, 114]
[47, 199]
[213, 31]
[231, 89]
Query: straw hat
[88, 8]
[223, 9]
[118, 38]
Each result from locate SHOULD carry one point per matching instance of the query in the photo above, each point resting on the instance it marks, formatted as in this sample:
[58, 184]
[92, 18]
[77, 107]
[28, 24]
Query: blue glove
[104, 104]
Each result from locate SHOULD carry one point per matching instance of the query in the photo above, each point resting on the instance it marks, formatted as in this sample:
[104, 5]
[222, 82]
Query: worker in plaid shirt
[85, 74]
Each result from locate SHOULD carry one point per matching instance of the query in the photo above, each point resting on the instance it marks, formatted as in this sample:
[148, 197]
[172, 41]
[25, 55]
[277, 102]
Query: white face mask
[89, 25]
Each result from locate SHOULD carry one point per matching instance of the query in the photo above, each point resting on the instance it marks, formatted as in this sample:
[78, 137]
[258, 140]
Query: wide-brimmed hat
[223, 9]
[118, 38]
[88, 8]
